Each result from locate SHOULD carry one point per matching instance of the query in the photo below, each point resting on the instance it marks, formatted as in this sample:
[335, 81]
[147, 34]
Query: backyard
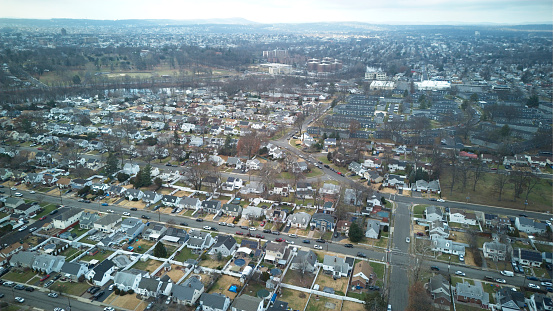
[223, 284]
[296, 299]
[148, 265]
[339, 285]
[101, 255]
[185, 254]
[319, 303]
[294, 277]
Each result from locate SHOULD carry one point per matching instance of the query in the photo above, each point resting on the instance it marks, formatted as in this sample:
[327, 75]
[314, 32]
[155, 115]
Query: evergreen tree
[112, 164]
[176, 138]
[160, 250]
[355, 232]
[146, 176]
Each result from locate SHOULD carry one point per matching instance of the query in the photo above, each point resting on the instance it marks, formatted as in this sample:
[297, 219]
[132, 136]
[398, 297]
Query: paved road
[41, 301]
[399, 258]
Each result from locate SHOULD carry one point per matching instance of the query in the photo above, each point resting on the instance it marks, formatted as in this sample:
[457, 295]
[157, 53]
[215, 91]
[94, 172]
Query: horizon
[395, 12]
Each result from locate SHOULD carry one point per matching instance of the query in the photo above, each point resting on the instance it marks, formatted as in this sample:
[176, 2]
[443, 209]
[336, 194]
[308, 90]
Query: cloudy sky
[285, 11]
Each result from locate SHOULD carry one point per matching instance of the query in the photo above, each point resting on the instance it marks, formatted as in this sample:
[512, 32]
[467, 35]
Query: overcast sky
[291, 11]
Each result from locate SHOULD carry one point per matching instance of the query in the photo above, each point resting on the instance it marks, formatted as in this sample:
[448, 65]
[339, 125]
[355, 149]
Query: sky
[291, 11]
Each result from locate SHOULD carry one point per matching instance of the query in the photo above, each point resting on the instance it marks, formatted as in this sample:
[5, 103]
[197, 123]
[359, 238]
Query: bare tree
[196, 174]
[268, 175]
[298, 123]
[499, 184]
[477, 173]
[531, 182]
[518, 179]
[248, 144]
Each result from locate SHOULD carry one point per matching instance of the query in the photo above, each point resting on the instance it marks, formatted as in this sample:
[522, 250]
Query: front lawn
[378, 269]
[101, 255]
[76, 289]
[418, 210]
[46, 210]
[19, 276]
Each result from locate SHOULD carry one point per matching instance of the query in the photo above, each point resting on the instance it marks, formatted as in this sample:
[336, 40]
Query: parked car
[435, 268]
[317, 246]
[105, 204]
[320, 241]
[407, 240]
[19, 287]
[362, 255]
[276, 232]
[134, 209]
[534, 286]
[49, 283]
[30, 289]
[53, 295]
[126, 214]
[279, 239]
[461, 273]
[44, 278]
[184, 224]
[199, 219]
[500, 281]
[306, 241]
[222, 224]
[239, 233]
[532, 278]
[546, 284]
[266, 231]
[19, 299]
[259, 236]
[348, 245]
[145, 217]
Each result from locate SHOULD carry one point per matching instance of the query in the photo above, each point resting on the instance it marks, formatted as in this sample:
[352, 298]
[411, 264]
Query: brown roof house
[363, 275]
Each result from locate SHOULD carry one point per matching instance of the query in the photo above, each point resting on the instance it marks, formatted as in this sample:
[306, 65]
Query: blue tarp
[233, 288]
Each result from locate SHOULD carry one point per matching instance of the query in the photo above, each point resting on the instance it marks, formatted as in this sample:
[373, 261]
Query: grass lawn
[418, 210]
[465, 307]
[87, 240]
[314, 173]
[47, 209]
[323, 303]
[69, 252]
[223, 284]
[101, 255]
[19, 276]
[540, 199]
[519, 244]
[445, 257]
[142, 246]
[543, 248]
[378, 268]
[148, 265]
[252, 288]
[296, 299]
[185, 254]
[352, 306]
[76, 289]
[491, 289]
[340, 284]
[78, 231]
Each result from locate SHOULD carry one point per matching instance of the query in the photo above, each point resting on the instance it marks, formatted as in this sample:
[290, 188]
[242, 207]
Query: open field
[540, 199]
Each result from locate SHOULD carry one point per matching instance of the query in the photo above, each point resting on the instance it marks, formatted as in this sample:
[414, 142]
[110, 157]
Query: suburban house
[231, 209]
[254, 187]
[226, 245]
[79, 183]
[108, 223]
[87, 220]
[342, 226]
[27, 209]
[151, 197]
[528, 257]
[134, 194]
[336, 266]
[199, 240]
[495, 250]
[448, 247]
[211, 206]
[373, 229]
[232, 184]
[322, 221]
[170, 200]
[524, 224]
[12, 203]
[363, 275]
[235, 162]
[190, 203]
[432, 213]
[438, 287]
[73, 270]
[67, 219]
[214, 302]
[101, 273]
[299, 220]
[422, 185]
[252, 212]
[247, 303]
[462, 217]
[277, 252]
[304, 260]
[128, 279]
[48, 263]
[188, 292]
[330, 189]
[357, 168]
[509, 300]
[23, 259]
[465, 292]
[394, 181]
[438, 229]
[149, 287]
[154, 231]
[539, 302]
[132, 227]
[175, 236]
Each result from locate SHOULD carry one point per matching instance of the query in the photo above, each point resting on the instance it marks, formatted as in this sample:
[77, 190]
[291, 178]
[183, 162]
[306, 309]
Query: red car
[279, 239]
[259, 236]
[239, 232]
[42, 218]
[45, 278]
[262, 223]
[39, 148]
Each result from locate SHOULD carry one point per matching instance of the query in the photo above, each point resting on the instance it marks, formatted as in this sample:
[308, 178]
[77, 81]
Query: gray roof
[108, 219]
[215, 300]
[23, 258]
[148, 284]
[322, 216]
[71, 268]
[309, 256]
[338, 263]
[246, 303]
[187, 289]
[102, 268]
[188, 201]
[226, 240]
[301, 218]
[68, 214]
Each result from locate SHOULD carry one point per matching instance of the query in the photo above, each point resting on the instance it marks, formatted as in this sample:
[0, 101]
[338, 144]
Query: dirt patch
[469, 258]
[128, 302]
[181, 193]
[149, 266]
[294, 277]
[176, 273]
[338, 284]
[223, 284]
[296, 299]
[135, 204]
[164, 191]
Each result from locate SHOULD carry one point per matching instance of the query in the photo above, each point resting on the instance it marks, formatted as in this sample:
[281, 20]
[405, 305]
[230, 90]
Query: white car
[53, 295]
[533, 286]
[19, 299]
[293, 235]
[253, 228]
[546, 284]
[109, 309]
[289, 242]
[110, 211]
[32, 192]
[126, 214]
[222, 224]
[13, 189]
[441, 200]
[22, 228]
[317, 246]
[207, 228]
[407, 240]
[18, 194]
[461, 273]
[500, 281]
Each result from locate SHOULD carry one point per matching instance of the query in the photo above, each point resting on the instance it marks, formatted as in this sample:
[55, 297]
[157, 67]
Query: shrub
[130, 292]
[116, 291]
